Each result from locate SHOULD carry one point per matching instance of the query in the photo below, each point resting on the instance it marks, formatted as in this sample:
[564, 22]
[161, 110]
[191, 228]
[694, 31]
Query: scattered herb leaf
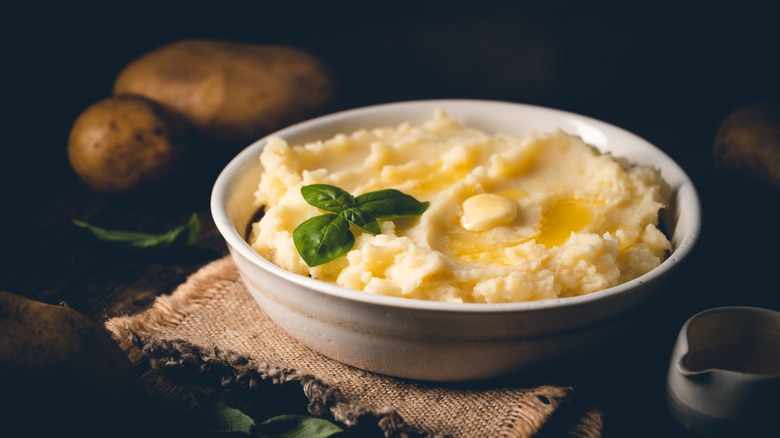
[324, 238]
[178, 237]
[221, 418]
[296, 426]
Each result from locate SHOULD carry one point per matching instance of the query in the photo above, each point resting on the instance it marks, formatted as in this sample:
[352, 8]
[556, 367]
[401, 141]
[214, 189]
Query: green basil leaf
[390, 202]
[323, 238]
[178, 237]
[221, 418]
[327, 237]
[296, 426]
[361, 219]
[327, 197]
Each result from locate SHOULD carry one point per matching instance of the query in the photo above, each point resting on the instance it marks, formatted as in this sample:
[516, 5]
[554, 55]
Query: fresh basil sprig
[291, 426]
[178, 237]
[327, 237]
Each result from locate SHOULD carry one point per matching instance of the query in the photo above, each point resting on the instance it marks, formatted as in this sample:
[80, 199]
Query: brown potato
[747, 144]
[231, 93]
[127, 144]
[62, 372]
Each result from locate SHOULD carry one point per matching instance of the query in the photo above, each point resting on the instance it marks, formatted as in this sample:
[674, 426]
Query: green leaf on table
[323, 238]
[221, 418]
[178, 237]
[296, 426]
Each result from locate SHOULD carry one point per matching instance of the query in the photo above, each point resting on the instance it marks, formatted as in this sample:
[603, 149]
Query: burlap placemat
[211, 324]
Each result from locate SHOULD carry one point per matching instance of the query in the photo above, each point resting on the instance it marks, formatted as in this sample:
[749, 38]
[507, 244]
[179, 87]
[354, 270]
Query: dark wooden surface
[668, 73]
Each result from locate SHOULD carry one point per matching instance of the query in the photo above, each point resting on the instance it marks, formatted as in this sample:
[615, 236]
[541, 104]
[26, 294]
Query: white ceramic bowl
[446, 341]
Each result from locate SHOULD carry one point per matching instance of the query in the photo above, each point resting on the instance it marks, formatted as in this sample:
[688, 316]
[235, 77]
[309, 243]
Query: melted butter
[470, 247]
[513, 193]
[562, 218]
[476, 247]
[486, 210]
[558, 220]
[423, 177]
[436, 178]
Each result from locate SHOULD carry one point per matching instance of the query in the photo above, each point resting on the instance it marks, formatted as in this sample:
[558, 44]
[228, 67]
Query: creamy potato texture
[510, 218]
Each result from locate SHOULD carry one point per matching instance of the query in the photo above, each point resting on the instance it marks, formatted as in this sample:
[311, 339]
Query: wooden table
[46, 258]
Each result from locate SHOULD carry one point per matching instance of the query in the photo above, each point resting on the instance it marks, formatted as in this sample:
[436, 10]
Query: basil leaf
[326, 237]
[327, 197]
[323, 238]
[390, 202]
[178, 237]
[221, 418]
[296, 426]
[361, 219]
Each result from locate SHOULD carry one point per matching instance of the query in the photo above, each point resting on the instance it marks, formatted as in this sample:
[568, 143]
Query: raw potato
[62, 372]
[231, 93]
[747, 143]
[127, 144]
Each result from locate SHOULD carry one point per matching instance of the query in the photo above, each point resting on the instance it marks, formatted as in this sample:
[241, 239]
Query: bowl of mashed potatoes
[454, 240]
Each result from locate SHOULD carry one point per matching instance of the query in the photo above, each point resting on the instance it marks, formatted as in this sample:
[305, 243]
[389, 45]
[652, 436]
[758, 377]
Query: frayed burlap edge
[207, 284]
[235, 370]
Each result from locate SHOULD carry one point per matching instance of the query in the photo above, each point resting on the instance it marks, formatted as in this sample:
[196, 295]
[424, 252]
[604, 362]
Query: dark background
[649, 66]
[668, 71]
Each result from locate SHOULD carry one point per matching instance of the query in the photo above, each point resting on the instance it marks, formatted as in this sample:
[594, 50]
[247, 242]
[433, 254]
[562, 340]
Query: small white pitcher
[724, 374]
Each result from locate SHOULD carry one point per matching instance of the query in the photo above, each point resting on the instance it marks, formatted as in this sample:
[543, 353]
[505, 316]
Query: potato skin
[231, 93]
[61, 372]
[747, 144]
[127, 144]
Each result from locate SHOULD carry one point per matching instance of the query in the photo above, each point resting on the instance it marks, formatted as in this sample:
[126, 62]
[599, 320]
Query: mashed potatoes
[510, 219]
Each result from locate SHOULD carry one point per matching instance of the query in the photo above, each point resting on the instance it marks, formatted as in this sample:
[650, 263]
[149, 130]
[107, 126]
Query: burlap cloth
[210, 323]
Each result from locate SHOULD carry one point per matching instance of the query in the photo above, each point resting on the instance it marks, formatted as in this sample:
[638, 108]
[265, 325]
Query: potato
[127, 144]
[62, 372]
[747, 144]
[231, 93]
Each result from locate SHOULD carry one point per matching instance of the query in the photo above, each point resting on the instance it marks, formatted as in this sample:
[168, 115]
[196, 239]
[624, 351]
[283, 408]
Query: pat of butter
[486, 210]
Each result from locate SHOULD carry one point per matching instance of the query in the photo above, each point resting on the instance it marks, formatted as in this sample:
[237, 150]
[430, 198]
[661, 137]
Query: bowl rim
[226, 177]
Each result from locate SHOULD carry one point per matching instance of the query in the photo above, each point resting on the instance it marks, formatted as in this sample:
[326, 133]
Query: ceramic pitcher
[724, 373]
